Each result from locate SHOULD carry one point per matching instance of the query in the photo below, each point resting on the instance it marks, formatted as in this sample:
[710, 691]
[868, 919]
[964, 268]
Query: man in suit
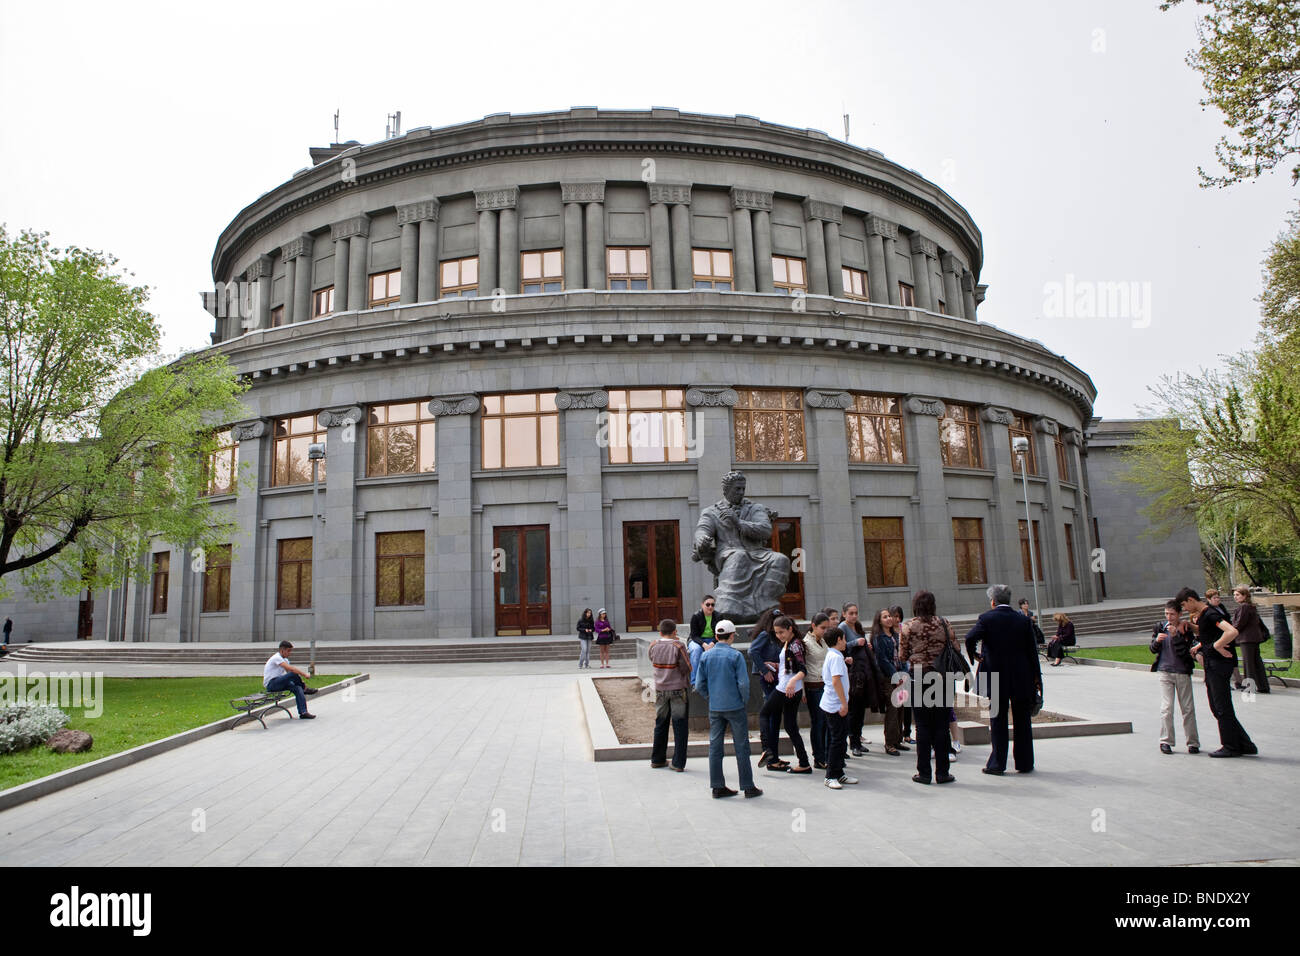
[1009, 658]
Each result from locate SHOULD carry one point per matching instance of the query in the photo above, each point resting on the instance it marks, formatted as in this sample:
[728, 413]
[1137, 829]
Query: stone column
[840, 552]
[259, 274]
[678, 197]
[968, 293]
[891, 264]
[453, 574]
[661, 251]
[743, 202]
[596, 244]
[834, 261]
[933, 559]
[583, 515]
[710, 405]
[509, 268]
[299, 252]
[763, 250]
[489, 202]
[591, 257]
[1055, 563]
[816, 212]
[357, 232]
[290, 284]
[1006, 509]
[420, 266]
[248, 577]
[573, 245]
[877, 281]
[342, 248]
[922, 251]
[951, 289]
[1089, 584]
[336, 581]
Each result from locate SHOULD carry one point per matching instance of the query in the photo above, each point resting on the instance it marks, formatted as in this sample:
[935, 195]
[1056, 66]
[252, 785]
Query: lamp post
[315, 454]
[1020, 445]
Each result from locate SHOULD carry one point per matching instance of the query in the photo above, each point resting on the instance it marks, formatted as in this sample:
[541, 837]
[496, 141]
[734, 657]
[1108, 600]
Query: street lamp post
[1020, 445]
[315, 454]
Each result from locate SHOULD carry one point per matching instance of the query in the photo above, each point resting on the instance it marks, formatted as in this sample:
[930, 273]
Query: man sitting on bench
[279, 674]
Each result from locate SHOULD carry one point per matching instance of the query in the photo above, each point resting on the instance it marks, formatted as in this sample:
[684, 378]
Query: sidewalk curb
[1196, 675]
[55, 782]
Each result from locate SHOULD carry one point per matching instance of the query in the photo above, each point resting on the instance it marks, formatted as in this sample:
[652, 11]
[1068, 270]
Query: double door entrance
[521, 565]
[652, 574]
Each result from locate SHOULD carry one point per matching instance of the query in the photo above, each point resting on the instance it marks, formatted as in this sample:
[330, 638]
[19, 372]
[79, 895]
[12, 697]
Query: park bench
[252, 702]
[1067, 652]
[1276, 668]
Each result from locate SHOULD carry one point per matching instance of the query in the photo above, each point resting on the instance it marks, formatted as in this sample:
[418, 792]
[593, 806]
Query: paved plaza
[488, 764]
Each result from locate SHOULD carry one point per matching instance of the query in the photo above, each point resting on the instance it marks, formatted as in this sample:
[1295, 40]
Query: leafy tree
[1249, 61]
[1280, 300]
[97, 450]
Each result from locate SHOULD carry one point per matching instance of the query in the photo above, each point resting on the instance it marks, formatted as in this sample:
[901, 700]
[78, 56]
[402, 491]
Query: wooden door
[522, 579]
[786, 539]
[652, 574]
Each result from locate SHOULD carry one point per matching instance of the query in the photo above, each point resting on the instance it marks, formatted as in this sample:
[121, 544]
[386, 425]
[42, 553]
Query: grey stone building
[532, 346]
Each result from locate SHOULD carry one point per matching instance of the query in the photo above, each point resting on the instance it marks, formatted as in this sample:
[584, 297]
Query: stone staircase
[1102, 620]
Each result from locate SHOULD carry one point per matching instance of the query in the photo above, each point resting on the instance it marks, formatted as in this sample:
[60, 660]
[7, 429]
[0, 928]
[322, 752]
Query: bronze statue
[733, 539]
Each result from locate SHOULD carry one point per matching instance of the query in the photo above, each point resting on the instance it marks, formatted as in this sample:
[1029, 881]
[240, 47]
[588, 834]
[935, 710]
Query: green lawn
[1138, 654]
[137, 710]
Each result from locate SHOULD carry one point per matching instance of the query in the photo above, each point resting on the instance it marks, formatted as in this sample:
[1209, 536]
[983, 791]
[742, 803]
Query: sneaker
[845, 781]
[1166, 749]
[306, 716]
[834, 784]
[751, 792]
[956, 747]
[720, 792]
[856, 751]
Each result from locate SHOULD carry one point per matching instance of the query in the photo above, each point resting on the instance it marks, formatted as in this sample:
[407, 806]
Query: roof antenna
[846, 126]
[394, 127]
[336, 127]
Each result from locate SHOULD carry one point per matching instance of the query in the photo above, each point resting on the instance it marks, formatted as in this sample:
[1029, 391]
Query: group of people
[600, 630]
[841, 669]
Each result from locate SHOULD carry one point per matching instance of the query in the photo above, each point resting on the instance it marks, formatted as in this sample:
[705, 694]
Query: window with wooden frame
[959, 437]
[293, 574]
[322, 302]
[290, 464]
[1062, 459]
[520, 431]
[161, 578]
[768, 425]
[541, 271]
[399, 439]
[1026, 565]
[968, 545]
[385, 287]
[458, 278]
[627, 268]
[1069, 552]
[1021, 427]
[277, 317]
[221, 470]
[906, 295]
[875, 429]
[712, 269]
[399, 569]
[855, 284]
[647, 425]
[789, 274]
[882, 538]
[943, 309]
[216, 579]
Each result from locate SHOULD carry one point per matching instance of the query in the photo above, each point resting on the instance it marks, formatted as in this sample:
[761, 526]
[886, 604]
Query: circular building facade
[533, 345]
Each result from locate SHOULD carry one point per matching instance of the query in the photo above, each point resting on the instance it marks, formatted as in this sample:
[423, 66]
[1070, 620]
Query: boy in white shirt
[835, 704]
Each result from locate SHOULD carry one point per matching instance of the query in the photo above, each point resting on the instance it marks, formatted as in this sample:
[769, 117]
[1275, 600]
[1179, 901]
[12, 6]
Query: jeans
[769, 720]
[1232, 736]
[1177, 685]
[817, 720]
[785, 709]
[837, 729]
[739, 722]
[670, 707]
[290, 682]
[584, 653]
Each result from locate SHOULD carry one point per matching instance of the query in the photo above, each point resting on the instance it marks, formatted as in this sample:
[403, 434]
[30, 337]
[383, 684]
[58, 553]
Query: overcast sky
[1071, 133]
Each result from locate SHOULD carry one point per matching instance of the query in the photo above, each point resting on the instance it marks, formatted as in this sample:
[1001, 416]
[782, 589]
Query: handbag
[1038, 703]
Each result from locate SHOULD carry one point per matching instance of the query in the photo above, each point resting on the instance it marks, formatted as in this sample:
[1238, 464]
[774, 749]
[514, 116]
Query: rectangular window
[277, 317]
[385, 288]
[1025, 564]
[161, 575]
[291, 465]
[293, 574]
[959, 437]
[712, 268]
[399, 439]
[520, 431]
[886, 558]
[1062, 459]
[216, 579]
[875, 429]
[647, 425]
[943, 310]
[855, 284]
[1020, 427]
[1069, 551]
[322, 302]
[968, 543]
[459, 278]
[222, 467]
[906, 295]
[399, 569]
[789, 274]
[541, 271]
[768, 425]
[628, 269]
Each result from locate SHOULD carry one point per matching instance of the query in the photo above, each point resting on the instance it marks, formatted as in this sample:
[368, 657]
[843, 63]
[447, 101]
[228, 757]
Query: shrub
[26, 725]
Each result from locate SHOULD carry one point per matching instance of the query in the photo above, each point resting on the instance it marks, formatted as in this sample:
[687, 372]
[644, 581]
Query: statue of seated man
[733, 538]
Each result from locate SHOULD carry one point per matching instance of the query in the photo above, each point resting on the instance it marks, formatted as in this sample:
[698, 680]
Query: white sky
[142, 129]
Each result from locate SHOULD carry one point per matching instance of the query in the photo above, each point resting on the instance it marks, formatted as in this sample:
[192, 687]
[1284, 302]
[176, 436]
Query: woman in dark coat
[586, 633]
[1064, 638]
[867, 685]
[1250, 634]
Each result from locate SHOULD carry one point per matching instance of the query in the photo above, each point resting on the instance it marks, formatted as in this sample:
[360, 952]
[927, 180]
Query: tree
[1249, 61]
[1280, 300]
[98, 451]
